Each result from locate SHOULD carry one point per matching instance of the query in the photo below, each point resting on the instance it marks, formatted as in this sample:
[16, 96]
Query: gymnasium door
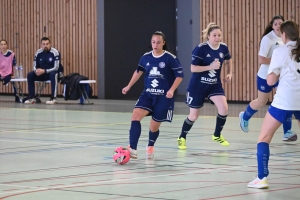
[129, 25]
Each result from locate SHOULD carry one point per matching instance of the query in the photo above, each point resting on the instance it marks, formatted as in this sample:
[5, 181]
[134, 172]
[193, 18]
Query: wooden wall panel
[70, 24]
[243, 23]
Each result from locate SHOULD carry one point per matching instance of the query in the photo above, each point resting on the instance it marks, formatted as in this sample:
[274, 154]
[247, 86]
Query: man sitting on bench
[46, 66]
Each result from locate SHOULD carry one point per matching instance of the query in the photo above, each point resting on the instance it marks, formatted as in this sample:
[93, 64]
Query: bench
[84, 99]
[16, 82]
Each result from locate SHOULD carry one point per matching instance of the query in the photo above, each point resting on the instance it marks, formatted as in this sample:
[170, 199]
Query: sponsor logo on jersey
[162, 65]
[262, 87]
[154, 83]
[276, 43]
[154, 72]
[155, 91]
[207, 55]
[147, 64]
[212, 73]
[209, 80]
[221, 55]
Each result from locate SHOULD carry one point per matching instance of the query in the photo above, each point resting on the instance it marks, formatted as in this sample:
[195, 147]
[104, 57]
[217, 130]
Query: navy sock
[219, 125]
[287, 125]
[249, 112]
[152, 137]
[186, 127]
[263, 154]
[134, 134]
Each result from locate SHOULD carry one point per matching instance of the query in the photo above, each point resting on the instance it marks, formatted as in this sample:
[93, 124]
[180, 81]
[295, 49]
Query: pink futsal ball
[121, 155]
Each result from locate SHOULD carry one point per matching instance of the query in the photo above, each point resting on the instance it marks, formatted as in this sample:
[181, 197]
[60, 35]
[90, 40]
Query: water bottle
[17, 74]
[21, 71]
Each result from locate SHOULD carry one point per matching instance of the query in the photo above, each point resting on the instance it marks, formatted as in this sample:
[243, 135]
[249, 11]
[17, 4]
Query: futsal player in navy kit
[162, 75]
[207, 60]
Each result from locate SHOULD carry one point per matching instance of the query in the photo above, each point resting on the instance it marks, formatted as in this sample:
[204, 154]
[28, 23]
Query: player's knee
[154, 129]
[136, 117]
[223, 111]
[262, 103]
[193, 117]
[264, 138]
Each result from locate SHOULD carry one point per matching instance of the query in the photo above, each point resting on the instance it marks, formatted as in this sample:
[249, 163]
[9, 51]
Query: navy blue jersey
[48, 60]
[8, 53]
[204, 55]
[160, 72]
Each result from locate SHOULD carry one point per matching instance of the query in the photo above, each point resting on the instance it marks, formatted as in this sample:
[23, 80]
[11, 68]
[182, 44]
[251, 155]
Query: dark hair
[291, 30]
[165, 47]
[45, 38]
[210, 27]
[269, 28]
[3, 41]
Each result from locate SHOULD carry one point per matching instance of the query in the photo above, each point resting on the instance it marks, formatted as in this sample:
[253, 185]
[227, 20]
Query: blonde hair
[210, 27]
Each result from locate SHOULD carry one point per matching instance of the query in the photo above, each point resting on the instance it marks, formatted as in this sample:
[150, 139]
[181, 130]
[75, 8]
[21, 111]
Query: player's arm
[212, 66]
[14, 61]
[272, 78]
[265, 46]
[228, 65]
[135, 77]
[274, 68]
[263, 60]
[175, 85]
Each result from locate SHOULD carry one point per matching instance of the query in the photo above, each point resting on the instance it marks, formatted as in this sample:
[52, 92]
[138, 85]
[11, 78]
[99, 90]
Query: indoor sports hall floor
[64, 152]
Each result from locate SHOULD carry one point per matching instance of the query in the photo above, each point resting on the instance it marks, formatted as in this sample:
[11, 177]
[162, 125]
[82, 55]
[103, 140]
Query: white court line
[120, 180]
[125, 141]
[233, 153]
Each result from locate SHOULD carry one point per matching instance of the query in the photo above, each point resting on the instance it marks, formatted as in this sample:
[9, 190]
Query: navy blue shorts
[263, 86]
[160, 107]
[283, 115]
[196, 99]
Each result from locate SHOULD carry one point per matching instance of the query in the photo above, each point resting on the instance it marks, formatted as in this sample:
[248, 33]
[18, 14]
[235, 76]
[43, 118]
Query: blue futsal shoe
[290, 136]
[243, 123]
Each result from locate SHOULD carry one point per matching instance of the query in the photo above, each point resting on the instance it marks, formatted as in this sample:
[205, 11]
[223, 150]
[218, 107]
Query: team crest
[50, 59]
[221, 55]
[162, 65]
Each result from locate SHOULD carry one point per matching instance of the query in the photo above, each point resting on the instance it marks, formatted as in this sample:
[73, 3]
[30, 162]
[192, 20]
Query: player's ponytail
[269, 28]
[210, 27]
[291, 30]
[165, 47]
